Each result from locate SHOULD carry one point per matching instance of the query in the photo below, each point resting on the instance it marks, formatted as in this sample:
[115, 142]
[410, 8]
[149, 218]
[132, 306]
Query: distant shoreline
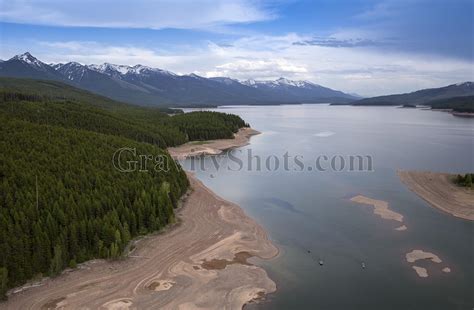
[440, 192]
[348, 104]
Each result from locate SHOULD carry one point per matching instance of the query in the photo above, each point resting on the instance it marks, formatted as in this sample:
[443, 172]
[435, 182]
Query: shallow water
[311, 211]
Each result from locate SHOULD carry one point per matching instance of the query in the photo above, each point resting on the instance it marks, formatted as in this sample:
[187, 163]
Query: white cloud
[183, 14]
[90, 52]
[259, 68]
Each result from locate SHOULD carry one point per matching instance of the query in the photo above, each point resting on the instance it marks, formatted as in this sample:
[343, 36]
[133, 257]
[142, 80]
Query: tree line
[465, 180]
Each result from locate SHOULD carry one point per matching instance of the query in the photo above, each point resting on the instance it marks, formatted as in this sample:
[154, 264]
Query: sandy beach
[212, 147]
[203, 262]
[440, 192]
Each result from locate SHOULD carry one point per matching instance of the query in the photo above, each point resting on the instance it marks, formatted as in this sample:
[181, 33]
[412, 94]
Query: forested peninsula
[62, 200]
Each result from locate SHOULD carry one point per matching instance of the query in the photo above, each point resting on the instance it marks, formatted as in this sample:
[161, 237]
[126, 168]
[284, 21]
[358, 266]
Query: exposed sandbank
[380, 208]
[420, 255]
[401, 228]
[415, 255]
[212, 147]
[440, 192]
[422, 272]
[200, 263]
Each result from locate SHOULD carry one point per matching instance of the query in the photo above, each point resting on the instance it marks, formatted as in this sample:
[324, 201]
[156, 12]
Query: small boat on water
[321, 262]
[363, 265]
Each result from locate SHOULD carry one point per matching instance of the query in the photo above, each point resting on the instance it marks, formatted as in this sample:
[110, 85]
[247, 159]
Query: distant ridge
[421, 97]
[152, 86]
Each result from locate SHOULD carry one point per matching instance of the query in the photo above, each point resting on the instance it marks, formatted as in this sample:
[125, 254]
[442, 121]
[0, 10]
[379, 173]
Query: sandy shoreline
[440, 192]
[212, 147]
[202, 262]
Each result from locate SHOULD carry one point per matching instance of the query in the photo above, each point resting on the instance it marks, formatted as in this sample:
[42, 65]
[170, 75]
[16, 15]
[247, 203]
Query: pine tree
[57, 261]
[468, 180]
[3, 282]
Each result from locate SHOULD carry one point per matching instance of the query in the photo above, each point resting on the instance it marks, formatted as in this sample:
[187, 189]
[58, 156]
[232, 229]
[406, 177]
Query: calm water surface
[311, 210]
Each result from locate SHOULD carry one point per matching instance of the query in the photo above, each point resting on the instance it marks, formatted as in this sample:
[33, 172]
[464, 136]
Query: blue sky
[361, 46]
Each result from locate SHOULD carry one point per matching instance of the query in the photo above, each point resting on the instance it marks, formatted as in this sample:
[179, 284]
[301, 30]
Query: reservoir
[309, 215]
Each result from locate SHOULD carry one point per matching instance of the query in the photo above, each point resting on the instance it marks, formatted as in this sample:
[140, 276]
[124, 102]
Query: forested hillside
[54, 103]
[62, 200]
[457, 104]
[422, 97]
[204, 125]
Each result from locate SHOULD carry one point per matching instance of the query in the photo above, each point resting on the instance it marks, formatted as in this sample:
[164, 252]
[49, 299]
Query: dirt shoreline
[200, 263]
[213, 147]
[440, 192]
[204, 261]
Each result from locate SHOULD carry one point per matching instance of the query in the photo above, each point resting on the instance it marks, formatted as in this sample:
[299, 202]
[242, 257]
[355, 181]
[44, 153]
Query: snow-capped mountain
[117, 70]
[27, 58]
[278, 83]
[110, 69]
[73, 71]
[152, 86]
[141, 84]
[299, 91]
[26, 65]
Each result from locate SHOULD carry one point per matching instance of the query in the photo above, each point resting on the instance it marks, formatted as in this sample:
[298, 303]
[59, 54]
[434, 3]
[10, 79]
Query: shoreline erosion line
[200, 262]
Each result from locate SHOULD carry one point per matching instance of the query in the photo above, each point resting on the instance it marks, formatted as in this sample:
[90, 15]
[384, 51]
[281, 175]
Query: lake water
[311, 210]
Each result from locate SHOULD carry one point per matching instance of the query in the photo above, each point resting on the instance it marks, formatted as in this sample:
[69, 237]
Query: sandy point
[213, 147]
[439, 190]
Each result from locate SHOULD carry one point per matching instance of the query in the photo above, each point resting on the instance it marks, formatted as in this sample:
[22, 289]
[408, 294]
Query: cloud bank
[182, 14]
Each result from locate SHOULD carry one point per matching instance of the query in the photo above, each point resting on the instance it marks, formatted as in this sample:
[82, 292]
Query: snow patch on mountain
[73, 71]
[464, 84]
[112, 69]
[109, 69]
[29, 59]
[279, 82]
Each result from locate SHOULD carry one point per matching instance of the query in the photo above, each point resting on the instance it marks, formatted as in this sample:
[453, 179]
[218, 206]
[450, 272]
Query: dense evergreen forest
[457, 104]
[204, 125]
[62, 200]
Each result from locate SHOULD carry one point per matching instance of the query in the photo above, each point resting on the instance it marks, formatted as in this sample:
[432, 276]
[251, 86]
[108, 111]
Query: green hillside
[54, 103]
[62, 200]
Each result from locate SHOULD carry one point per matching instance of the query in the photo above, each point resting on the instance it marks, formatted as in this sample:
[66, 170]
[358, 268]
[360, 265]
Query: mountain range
[151, 86]
[144, 85]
